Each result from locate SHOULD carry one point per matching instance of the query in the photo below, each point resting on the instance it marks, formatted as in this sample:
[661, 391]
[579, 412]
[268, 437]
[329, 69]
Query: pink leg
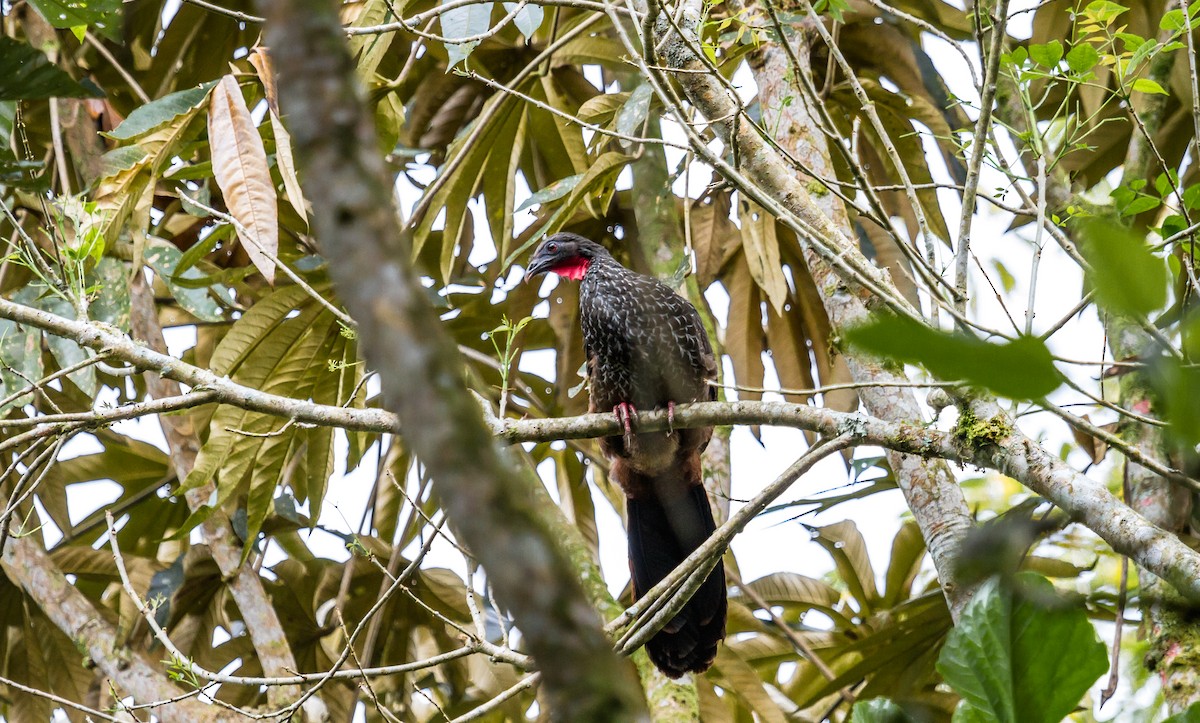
[625, 413]
[670, 418]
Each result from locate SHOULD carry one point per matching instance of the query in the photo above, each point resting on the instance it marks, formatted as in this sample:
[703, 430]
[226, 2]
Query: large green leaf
[1125, 275]
[1019, 369]
[1008, 655]
[465, 21]
[27, 74]
[164, 259]
[158, 113]
[104, 16]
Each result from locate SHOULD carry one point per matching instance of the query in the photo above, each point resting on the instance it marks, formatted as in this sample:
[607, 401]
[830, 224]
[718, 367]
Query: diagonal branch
[28, 566]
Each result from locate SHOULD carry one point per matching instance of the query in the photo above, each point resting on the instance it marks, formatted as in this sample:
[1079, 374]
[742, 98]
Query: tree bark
[28, 566]
[485, 495]
[929, 487]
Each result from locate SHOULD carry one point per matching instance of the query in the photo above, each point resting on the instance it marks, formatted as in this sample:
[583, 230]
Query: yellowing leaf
[287, 166]
[239, 164]
[762, 253]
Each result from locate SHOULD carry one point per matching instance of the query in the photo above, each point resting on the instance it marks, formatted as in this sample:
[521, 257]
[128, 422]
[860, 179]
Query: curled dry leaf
[761, 247]
[1094, 447]
[266, 73]
[283, 140]
[239, 164]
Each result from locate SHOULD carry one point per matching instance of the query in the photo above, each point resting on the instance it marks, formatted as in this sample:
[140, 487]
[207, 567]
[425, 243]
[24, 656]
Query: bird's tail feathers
[664, 528]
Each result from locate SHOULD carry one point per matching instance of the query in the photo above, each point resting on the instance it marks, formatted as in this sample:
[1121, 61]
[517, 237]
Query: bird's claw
[624, 413]
[670, 418]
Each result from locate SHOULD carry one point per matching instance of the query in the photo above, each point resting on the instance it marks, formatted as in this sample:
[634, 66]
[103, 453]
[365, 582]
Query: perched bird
[647, 349]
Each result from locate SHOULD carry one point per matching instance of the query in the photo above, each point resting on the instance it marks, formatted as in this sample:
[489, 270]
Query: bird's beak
[537, 267]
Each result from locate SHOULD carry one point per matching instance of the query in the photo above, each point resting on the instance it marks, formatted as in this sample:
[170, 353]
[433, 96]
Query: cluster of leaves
[193, 186]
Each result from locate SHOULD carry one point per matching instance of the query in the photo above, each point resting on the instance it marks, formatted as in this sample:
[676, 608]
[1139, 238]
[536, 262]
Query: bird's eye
[552, 248]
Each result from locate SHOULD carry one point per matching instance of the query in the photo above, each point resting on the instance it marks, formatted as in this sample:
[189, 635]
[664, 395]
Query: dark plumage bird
[646, 349]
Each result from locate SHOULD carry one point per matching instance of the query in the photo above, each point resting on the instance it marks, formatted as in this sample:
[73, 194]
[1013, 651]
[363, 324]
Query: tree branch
[1009, 452]
[28, 566]
[402, 337]
[929, 488]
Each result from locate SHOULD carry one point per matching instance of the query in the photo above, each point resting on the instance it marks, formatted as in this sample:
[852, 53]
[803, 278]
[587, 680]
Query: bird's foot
[625, 413]
[670, 418]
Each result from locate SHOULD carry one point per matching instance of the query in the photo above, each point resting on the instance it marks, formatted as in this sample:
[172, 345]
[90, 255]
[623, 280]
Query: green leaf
[528, 20]
[1140, 204]
[633, 113]
[1019, 654]
[1145, 85]
[1082, 58]
[1172, 20]
[553, 192]
[1191, 196]
[17, 173]
[1127, 277]
[1177, 389]
[66, 351]
[102, 15]
[464, 21]
[1047, 54]
[27, 74]
[158, 113]
[878, 710]
[1046, 682]
[164, 259]
[111, 304]
[20, 352]
[1019, 369]
[1103, 11]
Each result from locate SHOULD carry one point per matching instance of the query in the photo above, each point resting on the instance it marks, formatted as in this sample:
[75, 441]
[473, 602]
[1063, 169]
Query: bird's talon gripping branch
[670, 418]
[625, 414]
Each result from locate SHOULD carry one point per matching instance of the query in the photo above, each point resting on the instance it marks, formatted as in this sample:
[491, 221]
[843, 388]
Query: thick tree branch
[402, 337]
[28, 566]
[929, 488]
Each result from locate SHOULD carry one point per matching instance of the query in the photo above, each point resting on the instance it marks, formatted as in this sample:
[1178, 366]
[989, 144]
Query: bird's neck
[573, 269]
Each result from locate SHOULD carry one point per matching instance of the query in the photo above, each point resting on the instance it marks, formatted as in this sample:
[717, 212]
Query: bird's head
[565, 254]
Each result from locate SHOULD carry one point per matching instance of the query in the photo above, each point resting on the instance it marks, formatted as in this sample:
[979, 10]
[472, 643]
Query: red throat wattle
[573, 268]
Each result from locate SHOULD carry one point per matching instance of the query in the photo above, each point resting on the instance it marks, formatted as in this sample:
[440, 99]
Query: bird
[646, 348]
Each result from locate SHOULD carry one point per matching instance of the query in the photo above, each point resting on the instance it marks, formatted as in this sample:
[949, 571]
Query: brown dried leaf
[761, 248]
[287, 167]
[1095, 448]
[831, 366]
[266, 73]
[714, 236]
[240, 167]
[789, 350]
[744, 335]
[283, 140]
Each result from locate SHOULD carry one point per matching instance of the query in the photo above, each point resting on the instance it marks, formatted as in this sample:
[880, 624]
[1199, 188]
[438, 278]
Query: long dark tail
[665, 526]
